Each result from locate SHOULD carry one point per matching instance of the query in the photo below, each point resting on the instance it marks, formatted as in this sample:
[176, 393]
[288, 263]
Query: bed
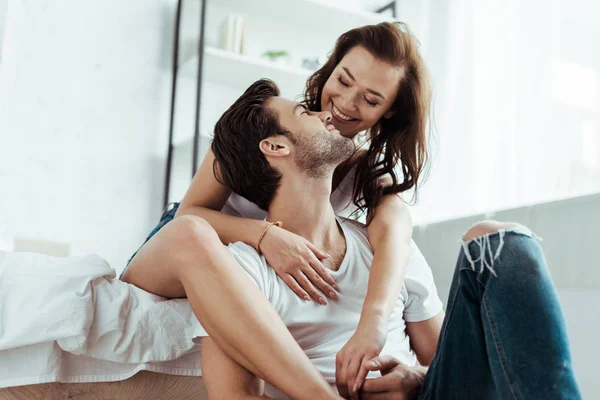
[70, 329]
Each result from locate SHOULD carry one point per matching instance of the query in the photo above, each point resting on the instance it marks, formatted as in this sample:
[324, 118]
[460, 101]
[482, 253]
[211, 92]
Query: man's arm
[226, 379]
[424, 336]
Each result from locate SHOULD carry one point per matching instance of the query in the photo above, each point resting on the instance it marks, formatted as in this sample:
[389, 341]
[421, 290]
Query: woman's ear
[272, 147]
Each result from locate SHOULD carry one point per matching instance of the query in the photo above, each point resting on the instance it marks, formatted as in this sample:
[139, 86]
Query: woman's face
[360, 91]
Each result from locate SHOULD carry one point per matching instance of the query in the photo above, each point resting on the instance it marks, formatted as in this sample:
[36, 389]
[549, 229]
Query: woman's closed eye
[346, 84]
[343, 82]
[371, 103]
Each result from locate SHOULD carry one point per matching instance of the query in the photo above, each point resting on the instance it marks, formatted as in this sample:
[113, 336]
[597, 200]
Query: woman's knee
[487, 227]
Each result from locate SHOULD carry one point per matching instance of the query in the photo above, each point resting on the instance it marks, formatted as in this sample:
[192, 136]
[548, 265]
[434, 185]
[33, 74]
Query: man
[279, 155]
[504, 336]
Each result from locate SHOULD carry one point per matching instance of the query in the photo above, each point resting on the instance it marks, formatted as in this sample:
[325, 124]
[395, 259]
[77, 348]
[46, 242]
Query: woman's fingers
[351, 373]
[362, 375]
[321, 255]
[291, 282]
[311, 273]
[305, 283]
[340, 376]
[323, 272]
[319, 267]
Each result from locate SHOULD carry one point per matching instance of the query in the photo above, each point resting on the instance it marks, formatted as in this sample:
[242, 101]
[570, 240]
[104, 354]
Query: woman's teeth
[340, 114]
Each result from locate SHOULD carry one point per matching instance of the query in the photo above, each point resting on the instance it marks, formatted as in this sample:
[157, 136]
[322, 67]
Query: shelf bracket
[199, 89]
[174, 68]
[387, 7]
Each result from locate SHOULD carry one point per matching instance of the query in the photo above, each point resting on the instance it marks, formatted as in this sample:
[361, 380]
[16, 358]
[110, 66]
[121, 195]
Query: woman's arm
[206, 197]
[390, 233]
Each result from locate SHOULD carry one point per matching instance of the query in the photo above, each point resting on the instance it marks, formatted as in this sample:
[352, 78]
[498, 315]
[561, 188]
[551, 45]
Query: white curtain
[516, 108]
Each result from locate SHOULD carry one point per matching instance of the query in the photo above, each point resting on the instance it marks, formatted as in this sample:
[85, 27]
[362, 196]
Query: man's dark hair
[239, 163]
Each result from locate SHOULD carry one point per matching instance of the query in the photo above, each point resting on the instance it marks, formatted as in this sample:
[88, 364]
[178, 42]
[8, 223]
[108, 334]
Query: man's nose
[325, 116]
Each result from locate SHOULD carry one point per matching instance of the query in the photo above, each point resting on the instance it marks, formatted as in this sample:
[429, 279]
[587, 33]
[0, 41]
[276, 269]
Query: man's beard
[320, 156]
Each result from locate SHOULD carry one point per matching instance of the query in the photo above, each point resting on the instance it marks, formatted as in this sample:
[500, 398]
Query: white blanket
[71, 320]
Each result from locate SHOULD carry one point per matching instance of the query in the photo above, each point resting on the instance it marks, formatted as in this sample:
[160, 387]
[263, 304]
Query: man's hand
[398, 381]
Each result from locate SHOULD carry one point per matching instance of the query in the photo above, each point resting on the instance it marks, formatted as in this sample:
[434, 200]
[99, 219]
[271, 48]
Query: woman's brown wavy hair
[401, 138]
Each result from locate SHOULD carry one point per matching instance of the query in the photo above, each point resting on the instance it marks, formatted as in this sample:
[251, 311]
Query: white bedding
[71, 320]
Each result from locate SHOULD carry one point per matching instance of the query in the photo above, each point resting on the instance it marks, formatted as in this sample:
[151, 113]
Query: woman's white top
[341, 200]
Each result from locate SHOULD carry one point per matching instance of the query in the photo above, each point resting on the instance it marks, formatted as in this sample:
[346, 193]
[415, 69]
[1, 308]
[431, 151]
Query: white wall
[84, 101]
[3, 10]
[583, 323]
[510, 79]
[570, 230]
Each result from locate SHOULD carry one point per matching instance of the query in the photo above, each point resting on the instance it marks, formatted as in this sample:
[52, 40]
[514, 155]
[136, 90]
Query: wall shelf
[315, 14]
[236, 70]
[307, 29]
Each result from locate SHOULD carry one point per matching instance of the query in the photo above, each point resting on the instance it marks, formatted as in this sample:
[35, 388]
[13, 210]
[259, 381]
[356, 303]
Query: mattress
[70, 320]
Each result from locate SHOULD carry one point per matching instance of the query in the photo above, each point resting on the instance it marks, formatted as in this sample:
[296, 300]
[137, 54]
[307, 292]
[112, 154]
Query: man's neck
[303, 205]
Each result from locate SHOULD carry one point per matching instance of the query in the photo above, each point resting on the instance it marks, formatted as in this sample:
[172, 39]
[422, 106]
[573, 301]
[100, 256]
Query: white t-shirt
[322, 331]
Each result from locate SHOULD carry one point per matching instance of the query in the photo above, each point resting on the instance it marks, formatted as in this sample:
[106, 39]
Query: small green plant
[275, 55]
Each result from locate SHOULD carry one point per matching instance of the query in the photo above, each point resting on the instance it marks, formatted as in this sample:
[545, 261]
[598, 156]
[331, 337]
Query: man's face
[317, 146]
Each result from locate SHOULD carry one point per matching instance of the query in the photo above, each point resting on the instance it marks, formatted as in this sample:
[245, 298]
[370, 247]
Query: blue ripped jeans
[504, 334]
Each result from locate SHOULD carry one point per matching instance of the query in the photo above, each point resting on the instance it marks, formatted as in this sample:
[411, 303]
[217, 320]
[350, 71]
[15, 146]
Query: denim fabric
[167, 215]
[504, 334]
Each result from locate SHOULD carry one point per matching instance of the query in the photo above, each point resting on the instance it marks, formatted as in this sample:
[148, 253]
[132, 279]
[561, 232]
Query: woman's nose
[347, 102]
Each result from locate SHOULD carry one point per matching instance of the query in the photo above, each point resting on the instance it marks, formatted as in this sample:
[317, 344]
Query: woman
[375, 81]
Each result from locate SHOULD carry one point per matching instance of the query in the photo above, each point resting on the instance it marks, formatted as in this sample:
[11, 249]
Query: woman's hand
[298, 262]
[352, 361]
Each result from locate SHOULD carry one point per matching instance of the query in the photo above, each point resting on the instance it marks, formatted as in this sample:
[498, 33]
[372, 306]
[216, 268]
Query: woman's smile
[340, 114]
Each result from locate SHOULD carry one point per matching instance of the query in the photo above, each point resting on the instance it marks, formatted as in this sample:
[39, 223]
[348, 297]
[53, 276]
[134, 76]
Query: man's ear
[274, 147]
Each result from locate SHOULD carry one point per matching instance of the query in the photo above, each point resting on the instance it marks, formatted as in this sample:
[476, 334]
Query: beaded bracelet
[276, 223]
